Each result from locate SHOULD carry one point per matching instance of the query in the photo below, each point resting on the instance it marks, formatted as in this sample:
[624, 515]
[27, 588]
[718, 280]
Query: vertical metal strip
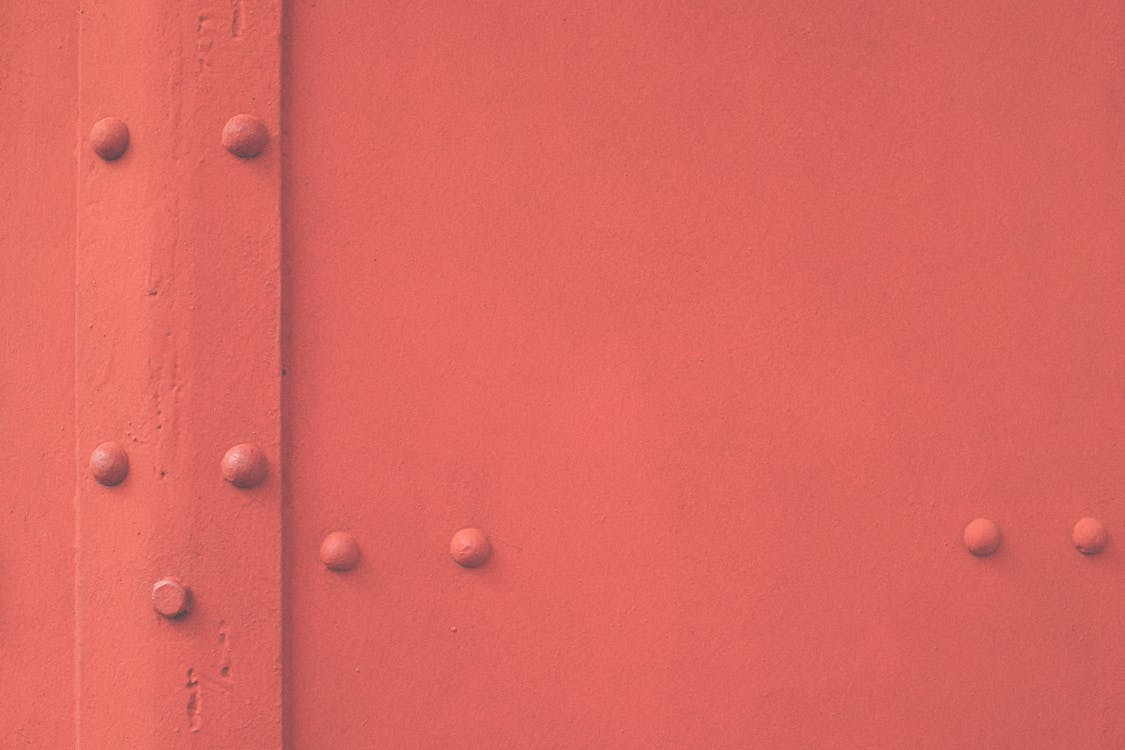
[38, 97]
[177, 308]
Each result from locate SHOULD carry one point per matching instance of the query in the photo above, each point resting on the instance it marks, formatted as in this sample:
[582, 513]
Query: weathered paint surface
[178, 639]
[722, 320]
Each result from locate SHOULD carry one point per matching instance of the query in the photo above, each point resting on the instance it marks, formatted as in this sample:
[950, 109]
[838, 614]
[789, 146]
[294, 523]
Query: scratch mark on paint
[236, 18]
[195, 701]
[203, 42]
[224, 658]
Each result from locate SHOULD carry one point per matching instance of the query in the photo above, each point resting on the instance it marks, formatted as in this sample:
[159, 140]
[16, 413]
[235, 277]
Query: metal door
[625, 375]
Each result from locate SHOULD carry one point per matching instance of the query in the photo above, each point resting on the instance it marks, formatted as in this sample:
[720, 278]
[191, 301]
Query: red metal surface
[722, 320]
[700, 376]
[38, 97]
[178, 633]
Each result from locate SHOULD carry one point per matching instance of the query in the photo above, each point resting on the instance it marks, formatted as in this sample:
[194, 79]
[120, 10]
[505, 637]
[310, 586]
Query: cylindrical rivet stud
[245, 465]
[470, 548]
[982, 537]
[1089, 536]
[339, 551]
[109, 138]
[245, 136]
[109, 463]
[170, 597]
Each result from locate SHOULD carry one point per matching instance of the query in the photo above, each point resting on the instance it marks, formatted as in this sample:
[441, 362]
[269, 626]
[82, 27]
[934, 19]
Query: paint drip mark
[195, 701]
[236, 18]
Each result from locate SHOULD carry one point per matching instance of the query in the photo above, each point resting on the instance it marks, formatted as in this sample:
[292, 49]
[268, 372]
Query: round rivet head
[470, 548]
[245, 465]
[1089, 536]
[339, 551]
[982, 537]
[109, 463]
[170, 597]
[109, 138]
[245, 136]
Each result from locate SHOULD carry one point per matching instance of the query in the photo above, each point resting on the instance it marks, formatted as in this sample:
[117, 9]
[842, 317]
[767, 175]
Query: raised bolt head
[245, 465]
[470, 548]
[170, 597]
[109, 138]
[1089, 536]
[109, 463]
[339, 551]
[982, 537]
[245, 136]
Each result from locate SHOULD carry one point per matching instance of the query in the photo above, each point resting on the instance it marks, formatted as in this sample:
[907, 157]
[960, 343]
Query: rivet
[245, 465]
[339, 551]
[109, 138]
[1089, 536]
[470, 548]
[982, 537]
[109, 463]
[245, 136]
[170, 597]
